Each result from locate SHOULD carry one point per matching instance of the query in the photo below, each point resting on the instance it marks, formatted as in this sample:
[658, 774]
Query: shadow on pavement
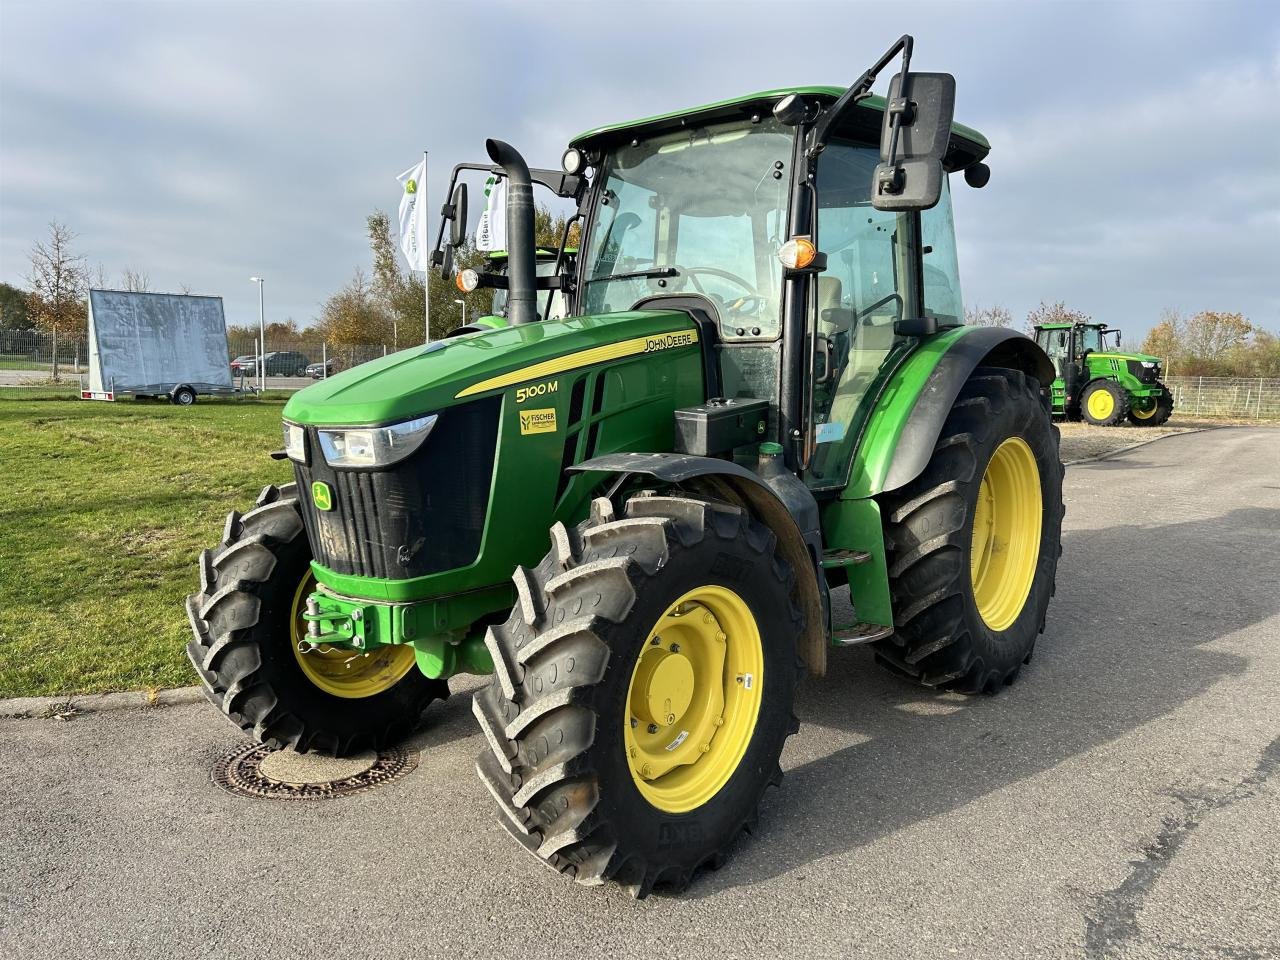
[1124, 646]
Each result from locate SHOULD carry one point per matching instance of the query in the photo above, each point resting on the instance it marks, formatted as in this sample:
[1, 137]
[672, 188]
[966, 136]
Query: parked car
[278, 363]
[318, 370]
[239, 364]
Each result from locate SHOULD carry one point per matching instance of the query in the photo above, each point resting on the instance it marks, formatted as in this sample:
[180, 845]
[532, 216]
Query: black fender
[981, 346]
[785, 506]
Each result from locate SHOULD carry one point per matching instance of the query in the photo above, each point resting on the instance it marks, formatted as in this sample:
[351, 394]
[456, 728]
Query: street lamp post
[262, 339]
[463, 305]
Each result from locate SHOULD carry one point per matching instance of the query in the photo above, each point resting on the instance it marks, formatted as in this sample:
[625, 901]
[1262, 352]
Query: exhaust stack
[522, 301]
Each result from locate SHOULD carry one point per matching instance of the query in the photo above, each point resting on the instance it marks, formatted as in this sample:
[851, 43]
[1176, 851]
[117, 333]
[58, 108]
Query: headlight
[1149, 365]
[375, 446]
[295, 442]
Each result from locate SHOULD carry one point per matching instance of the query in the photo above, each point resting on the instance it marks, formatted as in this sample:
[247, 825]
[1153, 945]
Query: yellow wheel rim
[1101, 404]
[338, 670]
[694, 699]
[1148, 413]
[1006, 534]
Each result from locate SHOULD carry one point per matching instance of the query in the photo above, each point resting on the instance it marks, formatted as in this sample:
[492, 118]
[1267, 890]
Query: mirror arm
[858, 92]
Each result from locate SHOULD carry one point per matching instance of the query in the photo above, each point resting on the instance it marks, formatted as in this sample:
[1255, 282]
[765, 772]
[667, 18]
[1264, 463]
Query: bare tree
[58, 279]
[135, 281]
[1057, 312]
[996, 316]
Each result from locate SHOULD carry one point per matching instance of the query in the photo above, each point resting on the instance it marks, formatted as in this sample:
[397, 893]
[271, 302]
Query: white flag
[491, 233]
[413, 217]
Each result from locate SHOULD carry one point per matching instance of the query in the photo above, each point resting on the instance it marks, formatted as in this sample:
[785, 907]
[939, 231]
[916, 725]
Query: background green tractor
[644, 519]
[1103, 386]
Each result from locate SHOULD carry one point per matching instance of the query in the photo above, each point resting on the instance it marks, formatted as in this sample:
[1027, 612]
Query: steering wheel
[747, 305]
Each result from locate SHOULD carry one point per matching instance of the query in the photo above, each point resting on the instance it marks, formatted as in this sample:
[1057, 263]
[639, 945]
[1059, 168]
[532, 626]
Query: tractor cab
[1095, 381]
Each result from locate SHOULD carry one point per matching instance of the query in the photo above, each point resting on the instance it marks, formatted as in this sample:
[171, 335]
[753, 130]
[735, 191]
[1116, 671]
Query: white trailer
[156, 345]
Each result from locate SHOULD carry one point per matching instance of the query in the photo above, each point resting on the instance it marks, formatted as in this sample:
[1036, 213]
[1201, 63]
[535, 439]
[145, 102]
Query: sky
[1135, 147]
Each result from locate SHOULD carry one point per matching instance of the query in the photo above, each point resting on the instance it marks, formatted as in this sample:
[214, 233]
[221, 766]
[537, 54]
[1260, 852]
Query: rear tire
[559, 716]
[942, 638]
[183, 397]
[1104, 403]
[242, 622]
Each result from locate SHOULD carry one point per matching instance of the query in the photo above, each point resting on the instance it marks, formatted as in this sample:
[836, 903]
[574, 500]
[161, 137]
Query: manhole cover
[257, 771]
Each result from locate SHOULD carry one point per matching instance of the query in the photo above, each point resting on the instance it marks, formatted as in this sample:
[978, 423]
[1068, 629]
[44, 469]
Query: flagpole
[426, 274]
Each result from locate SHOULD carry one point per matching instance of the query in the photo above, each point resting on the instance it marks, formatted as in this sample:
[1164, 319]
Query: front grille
[1144, 374]
[422, 515]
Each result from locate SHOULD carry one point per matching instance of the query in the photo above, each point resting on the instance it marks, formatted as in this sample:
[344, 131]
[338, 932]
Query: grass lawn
[106, 507]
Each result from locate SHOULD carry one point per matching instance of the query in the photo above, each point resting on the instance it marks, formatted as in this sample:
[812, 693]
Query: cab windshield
[706, 209]
[1090, 339]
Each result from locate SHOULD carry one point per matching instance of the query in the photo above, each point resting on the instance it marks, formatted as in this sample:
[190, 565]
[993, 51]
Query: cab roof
[967, 145]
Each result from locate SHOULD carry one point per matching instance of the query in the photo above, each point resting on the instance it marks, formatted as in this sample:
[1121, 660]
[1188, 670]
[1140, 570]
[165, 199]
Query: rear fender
[789, 511]
[907, 419]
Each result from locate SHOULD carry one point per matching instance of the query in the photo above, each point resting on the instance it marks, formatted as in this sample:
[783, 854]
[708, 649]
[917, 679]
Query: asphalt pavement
[1120, 800]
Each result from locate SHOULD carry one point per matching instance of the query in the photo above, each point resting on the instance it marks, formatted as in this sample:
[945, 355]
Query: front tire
[1156, 414]
[973, 542]
[246, 622]
[642, 692]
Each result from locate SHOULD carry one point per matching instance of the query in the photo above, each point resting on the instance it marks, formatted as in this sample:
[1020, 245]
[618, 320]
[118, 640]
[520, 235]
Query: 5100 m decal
[537, 390]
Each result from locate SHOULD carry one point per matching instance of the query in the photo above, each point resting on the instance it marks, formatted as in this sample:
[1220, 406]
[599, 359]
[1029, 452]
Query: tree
[1165, 339]
[135, 281]
[353, 316]
[996, 316]
[58, 279]
[15, 313]
[1211, 335]
[1057, 312]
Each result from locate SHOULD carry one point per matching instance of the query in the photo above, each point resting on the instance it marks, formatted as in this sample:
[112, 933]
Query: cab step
[859, 633]
[843, 558]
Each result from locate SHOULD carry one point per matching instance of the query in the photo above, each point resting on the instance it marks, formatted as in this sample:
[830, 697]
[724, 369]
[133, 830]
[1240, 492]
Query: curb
[64, 708]
[1134, 446]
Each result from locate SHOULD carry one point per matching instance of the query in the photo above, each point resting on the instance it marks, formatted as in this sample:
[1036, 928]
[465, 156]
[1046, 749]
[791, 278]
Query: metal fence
[1245, 398]
[27, 358]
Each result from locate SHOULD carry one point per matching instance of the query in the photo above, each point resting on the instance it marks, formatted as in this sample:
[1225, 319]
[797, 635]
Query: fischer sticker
[538, 421]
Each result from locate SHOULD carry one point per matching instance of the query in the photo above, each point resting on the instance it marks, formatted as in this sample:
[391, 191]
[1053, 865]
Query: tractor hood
[424, 379]
[1115, 355]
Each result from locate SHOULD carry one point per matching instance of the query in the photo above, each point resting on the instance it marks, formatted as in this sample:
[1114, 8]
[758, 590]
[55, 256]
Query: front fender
[788, 509]
[908, 416]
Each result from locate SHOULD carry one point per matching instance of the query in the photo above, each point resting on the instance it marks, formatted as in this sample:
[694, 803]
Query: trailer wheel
[973, 542]
[246, 622]
[642, 691]
[183, 396]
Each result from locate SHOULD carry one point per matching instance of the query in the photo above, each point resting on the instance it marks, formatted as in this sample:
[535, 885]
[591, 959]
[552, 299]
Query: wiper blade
[651, 273]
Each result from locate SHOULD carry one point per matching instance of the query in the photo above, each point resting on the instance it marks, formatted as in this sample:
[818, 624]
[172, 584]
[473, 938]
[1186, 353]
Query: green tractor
[1101, 385]
[642, 521]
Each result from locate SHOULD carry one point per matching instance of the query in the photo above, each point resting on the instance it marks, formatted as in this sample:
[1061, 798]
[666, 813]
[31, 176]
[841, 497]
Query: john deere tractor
[642, 520]
[1101, 385]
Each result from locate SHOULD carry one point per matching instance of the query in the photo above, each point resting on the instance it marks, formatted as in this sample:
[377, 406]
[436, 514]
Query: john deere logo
[411, 186]
[321, 495]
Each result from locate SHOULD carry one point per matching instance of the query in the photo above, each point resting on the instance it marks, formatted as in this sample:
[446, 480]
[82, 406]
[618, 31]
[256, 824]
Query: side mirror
[458, 222]
[913, 140]
[446, 262]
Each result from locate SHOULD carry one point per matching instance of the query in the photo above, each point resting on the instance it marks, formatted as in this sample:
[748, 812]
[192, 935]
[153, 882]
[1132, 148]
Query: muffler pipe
[522, 298]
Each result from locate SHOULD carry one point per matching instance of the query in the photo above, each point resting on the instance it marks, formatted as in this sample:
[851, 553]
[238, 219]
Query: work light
[375, 446]
[295, 442]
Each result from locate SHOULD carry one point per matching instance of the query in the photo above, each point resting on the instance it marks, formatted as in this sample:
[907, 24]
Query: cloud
[1134, 144]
